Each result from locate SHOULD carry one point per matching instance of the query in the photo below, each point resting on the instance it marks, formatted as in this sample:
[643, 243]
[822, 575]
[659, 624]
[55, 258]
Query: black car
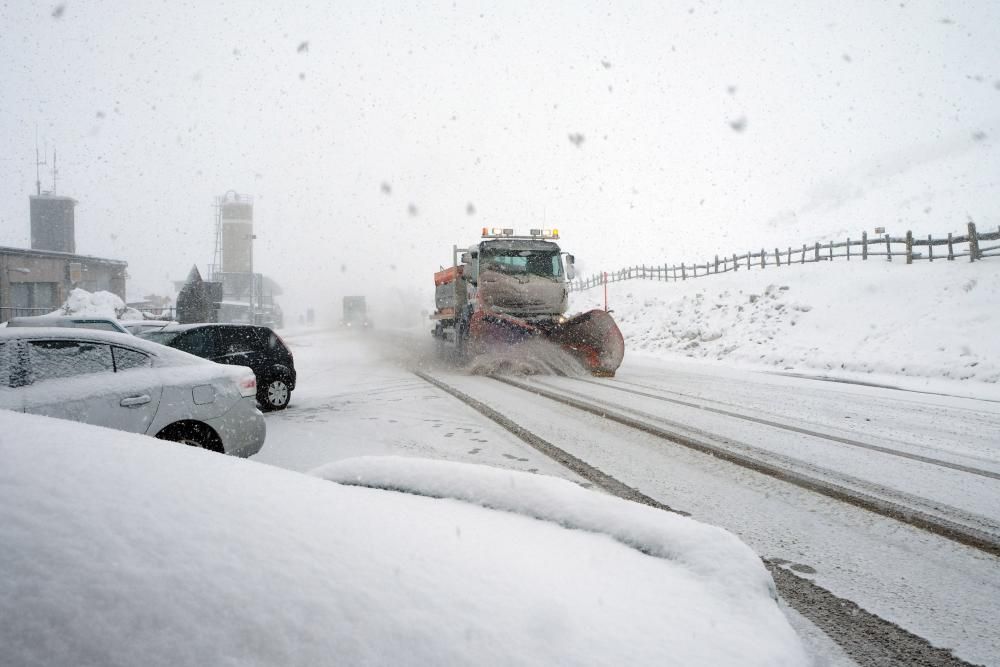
[240, 345]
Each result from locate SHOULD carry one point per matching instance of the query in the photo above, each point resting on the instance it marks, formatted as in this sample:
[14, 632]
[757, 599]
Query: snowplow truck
[509, 289]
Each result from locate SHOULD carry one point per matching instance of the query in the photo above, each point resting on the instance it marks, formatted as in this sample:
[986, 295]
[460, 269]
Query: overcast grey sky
[704, 125]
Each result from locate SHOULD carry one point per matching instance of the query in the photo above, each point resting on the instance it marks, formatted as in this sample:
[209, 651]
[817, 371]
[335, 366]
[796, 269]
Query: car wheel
[192, 434]
[274, 395]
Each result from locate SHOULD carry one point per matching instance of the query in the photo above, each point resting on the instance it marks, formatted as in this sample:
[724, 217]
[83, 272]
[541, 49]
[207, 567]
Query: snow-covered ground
[357, 396]
[123, 550]
[930, 326]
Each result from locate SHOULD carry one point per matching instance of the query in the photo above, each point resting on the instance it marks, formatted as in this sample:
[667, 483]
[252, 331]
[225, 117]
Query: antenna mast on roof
[38, 164]
[55, 172]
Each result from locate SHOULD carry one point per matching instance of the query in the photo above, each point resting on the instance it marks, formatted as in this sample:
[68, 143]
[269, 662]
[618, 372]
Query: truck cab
[521, 276]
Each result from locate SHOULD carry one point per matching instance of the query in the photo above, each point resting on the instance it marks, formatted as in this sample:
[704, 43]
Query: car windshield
[736, 263]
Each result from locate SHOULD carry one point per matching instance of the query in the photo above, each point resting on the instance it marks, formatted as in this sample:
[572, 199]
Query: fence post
[930, 248]
[830, 248]
[683, 272]
[864, 245]
[973, 243]
[909, 247]
[605, 291]
[763, 261]
[716, 263]
[951, 249]
[803, 254]
[888, 248]
[848, 248]
[817, 251]
[736, 265]
[789, 262]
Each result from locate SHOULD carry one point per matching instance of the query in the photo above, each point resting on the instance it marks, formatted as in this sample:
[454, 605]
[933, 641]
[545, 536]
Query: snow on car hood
[709, 552]
[124, 550]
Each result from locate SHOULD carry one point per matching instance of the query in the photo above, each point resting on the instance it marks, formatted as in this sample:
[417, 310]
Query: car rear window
[239, 339]
[202, 342]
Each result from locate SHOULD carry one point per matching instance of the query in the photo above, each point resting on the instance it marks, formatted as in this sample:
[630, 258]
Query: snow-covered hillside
[927, 321]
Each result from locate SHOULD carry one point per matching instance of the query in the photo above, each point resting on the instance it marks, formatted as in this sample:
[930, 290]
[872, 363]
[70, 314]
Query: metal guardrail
[8, 312]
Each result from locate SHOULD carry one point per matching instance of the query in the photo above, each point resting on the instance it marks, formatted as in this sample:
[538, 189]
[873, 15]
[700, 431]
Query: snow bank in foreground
[713, 554]
[927, 320]
[98, 304]
[125, 550]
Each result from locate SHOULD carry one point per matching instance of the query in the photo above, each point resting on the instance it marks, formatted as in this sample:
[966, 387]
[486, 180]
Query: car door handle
[135, 401]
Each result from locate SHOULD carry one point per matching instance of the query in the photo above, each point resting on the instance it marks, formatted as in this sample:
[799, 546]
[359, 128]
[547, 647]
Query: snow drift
[98, 304]
[125, 550]
[868, 319]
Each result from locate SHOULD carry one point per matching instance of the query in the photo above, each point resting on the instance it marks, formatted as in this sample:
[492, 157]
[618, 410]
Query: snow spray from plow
[592, 338]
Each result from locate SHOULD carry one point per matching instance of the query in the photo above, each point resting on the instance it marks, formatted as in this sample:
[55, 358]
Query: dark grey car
[241, 344]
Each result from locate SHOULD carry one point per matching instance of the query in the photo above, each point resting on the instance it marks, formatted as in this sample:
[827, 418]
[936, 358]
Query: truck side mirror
[570, 267]
[471, 271]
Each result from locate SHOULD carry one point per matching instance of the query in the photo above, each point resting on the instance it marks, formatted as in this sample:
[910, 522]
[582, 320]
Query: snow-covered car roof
[69, 321]
[123, 550]
[167, 355]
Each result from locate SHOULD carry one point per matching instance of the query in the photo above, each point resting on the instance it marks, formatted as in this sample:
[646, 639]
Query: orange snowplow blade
[594, 338]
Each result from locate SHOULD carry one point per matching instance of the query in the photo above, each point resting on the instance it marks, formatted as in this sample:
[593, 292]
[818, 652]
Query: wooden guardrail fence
[974, 245]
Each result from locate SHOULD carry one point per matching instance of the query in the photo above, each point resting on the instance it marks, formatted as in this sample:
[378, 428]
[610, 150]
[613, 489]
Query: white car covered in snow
[69, 321]
[123, 382]
[117, 554]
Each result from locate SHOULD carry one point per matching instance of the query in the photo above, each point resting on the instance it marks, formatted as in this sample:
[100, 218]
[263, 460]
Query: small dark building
[198, 300]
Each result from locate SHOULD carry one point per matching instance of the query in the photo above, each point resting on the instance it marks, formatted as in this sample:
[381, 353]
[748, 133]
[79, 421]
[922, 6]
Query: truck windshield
[534, 262]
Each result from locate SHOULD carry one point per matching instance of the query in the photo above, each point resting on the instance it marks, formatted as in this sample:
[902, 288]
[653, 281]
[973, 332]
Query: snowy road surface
[358, 395]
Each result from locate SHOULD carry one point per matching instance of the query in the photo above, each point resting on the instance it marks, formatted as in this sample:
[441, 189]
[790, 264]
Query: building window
[34, 295]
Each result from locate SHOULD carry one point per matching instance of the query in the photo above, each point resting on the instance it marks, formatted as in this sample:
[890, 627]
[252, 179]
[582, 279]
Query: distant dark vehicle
[356, 312]
[240, 345]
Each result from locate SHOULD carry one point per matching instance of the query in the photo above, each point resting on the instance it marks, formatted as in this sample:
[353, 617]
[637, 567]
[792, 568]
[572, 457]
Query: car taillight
[248, 385]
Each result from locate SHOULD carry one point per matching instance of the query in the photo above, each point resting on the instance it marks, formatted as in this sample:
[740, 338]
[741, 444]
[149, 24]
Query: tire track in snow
[952, 530]
[795, 429]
